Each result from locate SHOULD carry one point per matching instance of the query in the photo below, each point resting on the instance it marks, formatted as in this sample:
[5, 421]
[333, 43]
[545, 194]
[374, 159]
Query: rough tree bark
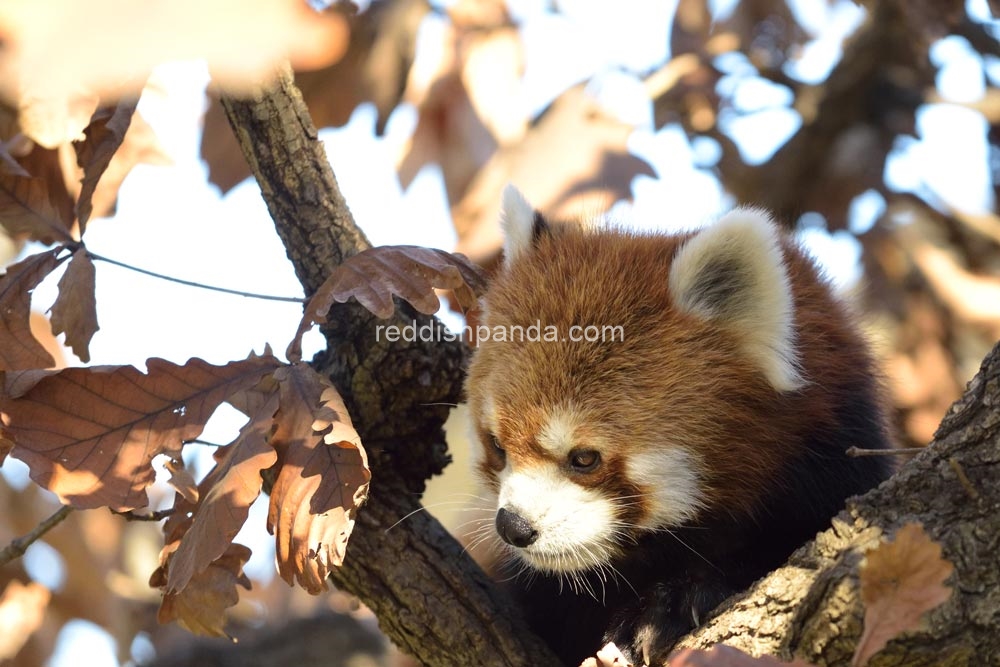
[430, 597]
[435, 603]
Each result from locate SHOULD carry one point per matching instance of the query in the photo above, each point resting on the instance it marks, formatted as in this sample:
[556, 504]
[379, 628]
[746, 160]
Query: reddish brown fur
[771, 465]
[675, 379]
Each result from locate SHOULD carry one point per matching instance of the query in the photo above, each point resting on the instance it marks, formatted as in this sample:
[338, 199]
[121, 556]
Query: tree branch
[157, 515]
[18, 546]
[430, 597]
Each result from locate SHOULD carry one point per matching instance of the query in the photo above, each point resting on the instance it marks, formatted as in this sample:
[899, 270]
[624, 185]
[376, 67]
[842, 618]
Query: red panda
[642, 480]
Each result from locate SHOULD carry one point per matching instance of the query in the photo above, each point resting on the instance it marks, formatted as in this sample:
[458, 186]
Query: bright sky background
[170, 221]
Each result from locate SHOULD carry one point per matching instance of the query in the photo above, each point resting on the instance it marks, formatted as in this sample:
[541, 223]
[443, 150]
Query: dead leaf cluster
[89, 435]
[49, 194]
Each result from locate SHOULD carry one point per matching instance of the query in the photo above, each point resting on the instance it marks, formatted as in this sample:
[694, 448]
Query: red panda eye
[584, 460]
[496, 446]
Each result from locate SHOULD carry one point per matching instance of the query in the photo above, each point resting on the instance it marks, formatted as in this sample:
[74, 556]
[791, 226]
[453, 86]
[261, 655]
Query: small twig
[191, 283]
[198, 441]
[963, 479]
[152, 516]
[857, 451]
[18, 546]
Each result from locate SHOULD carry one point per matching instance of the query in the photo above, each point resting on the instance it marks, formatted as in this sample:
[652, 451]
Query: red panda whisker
[473, 542]
[477, 537]
[621, 576]
[582, 584]
[484, 525]
[692, 549]
[424, 508]
[513, 565]
[617, 577]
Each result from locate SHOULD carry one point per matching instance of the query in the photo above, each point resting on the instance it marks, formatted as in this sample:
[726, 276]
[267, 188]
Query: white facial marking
[670, 477]
[556, 435]
[743, 251]
[574, 524]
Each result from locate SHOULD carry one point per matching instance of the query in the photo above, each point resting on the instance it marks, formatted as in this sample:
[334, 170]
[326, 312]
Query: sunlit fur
[721, 421]
[516, 220]
[572, 520]
[733, 273]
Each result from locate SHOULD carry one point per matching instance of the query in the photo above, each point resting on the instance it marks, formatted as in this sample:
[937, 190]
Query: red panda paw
[647, 632]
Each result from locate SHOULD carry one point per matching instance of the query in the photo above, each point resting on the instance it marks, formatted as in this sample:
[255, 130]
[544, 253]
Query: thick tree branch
[811, 609]
[430, 597]
[280, 143]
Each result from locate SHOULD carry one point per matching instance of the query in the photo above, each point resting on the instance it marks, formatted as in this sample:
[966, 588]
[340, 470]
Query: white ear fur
[517, 220]
[734, 272]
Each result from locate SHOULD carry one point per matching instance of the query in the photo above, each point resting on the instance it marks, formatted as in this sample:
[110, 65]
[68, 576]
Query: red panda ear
[522, 225]
[734, 272]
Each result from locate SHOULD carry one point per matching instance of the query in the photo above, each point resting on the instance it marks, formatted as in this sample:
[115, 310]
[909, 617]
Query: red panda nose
[514, 529]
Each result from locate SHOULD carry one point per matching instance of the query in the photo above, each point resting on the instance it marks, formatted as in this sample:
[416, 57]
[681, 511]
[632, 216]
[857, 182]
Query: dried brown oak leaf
[103, 136]
[322, 481]
[89, 434]
[721, 655]
[900, 582]
[13, 144]
[139, 146]
[201, 606]
[182, 480]
[374, 276]
[37, 205]
[18, 348]
[235, 483]
[75, 309]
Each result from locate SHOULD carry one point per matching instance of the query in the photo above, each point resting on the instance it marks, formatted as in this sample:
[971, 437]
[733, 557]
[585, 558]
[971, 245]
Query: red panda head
[655, 421]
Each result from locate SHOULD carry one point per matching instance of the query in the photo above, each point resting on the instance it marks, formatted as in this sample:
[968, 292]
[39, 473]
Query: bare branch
[18, 546]
[857, 451]
[132, 515]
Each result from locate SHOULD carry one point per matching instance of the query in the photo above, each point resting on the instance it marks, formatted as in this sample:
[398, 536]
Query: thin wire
[190, 283]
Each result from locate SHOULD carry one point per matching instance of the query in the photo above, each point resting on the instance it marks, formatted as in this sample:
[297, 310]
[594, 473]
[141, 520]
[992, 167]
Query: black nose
[514, 529]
